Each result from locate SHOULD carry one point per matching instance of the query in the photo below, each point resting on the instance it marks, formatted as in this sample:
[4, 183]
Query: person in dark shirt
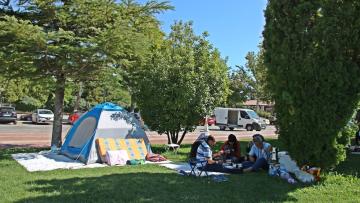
[231, 149]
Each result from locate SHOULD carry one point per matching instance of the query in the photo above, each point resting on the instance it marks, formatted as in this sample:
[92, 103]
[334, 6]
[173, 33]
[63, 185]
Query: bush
[311, 52]
[264, 114]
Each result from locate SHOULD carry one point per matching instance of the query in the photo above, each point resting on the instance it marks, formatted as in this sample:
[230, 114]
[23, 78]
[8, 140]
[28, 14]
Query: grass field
[151, 183]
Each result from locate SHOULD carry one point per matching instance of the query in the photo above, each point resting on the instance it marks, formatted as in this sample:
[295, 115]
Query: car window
[243, 114]
[6, 109]
[45, 112]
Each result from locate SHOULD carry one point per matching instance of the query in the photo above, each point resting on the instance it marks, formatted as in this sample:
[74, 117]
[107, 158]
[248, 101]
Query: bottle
[273, 154]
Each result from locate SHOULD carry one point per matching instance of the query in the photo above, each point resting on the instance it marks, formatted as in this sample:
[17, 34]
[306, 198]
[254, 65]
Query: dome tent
[105, 120]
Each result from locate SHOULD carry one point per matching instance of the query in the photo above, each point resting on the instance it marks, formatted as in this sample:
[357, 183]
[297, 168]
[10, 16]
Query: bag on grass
[155, 157]
[117, 157]
[135, 162]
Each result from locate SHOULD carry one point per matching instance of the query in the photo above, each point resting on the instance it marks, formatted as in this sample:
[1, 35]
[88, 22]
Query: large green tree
[313, 59]
[183, 80]
[64, 40]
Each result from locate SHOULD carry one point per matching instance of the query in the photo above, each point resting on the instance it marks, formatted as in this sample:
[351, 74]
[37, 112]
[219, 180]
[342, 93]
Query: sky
[235, 26]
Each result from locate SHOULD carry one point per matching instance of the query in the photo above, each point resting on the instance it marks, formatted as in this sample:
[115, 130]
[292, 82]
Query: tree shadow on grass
[5, 154]
[351, 166]
[160, 187]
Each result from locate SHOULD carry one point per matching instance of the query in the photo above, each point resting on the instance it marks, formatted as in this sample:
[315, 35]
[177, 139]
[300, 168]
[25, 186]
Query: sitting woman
[259, 155]
[231, 149]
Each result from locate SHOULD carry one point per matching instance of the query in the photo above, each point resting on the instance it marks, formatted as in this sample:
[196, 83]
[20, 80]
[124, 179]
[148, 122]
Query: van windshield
[253, 114]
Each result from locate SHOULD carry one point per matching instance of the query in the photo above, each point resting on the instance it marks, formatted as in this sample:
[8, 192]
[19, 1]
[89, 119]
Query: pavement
[26, 134]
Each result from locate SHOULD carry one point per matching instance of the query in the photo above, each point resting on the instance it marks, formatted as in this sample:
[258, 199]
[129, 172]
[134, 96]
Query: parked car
[8, 114]
[42, 116]
[238, 118]
[26, 117]
[74, 117]
[211, 121]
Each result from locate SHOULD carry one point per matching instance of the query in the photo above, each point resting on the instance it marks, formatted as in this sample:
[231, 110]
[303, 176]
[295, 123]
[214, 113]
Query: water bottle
[273, 155]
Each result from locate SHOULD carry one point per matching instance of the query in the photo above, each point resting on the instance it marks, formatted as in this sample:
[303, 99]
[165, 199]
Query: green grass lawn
[151, 183]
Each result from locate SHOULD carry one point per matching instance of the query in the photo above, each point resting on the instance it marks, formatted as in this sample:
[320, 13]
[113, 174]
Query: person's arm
[252, 154]
[208, 155]
[210, 161]
[268, 151]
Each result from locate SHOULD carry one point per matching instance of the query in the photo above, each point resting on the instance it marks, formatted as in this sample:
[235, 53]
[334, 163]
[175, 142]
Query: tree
[241, 87]
[143, 22]
[182, 80]
[313, 59]
[249, 81]
[257, 73]
[65, 40]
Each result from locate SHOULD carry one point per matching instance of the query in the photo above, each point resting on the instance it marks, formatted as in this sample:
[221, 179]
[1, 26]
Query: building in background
[259, 105]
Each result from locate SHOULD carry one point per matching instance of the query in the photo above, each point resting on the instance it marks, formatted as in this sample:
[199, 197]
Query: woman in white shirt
[259, 155]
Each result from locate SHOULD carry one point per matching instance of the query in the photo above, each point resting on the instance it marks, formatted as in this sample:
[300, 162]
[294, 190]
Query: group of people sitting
[258, 157]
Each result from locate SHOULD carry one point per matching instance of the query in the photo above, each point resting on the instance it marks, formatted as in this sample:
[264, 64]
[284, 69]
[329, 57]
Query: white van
[238, 118]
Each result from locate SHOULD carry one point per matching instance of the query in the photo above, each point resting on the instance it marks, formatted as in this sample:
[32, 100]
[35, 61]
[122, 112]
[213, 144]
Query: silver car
[42, 116]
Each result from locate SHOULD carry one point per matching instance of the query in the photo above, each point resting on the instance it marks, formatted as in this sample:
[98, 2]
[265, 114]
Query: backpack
[194, 148]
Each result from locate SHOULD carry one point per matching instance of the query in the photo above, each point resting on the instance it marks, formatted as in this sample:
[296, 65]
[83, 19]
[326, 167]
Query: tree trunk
[56, 139]
[132, 103]
[182, 137]
[168, 136]
[78, 97]
[206, 124]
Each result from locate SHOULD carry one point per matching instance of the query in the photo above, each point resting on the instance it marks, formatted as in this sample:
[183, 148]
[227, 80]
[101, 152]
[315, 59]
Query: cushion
[135, 148]
[117, 157]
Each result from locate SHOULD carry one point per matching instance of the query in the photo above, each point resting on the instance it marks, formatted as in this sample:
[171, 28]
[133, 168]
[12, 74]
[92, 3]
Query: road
[26, 134]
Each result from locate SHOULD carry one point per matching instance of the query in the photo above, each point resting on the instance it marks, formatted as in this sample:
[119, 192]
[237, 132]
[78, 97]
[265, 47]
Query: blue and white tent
[105, 120]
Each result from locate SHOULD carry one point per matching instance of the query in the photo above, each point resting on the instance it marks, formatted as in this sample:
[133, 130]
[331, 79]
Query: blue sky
[235, 26]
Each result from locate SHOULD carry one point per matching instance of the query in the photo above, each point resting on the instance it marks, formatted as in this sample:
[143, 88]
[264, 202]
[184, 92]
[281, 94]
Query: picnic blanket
[186, 167]
[47, 161]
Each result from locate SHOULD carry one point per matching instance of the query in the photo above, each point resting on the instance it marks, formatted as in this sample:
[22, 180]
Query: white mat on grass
[186, 167]
[47, 161]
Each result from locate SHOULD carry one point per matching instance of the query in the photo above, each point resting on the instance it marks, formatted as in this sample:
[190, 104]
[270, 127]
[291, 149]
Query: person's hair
[232, 138]
[210, 137]
[258, 138]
